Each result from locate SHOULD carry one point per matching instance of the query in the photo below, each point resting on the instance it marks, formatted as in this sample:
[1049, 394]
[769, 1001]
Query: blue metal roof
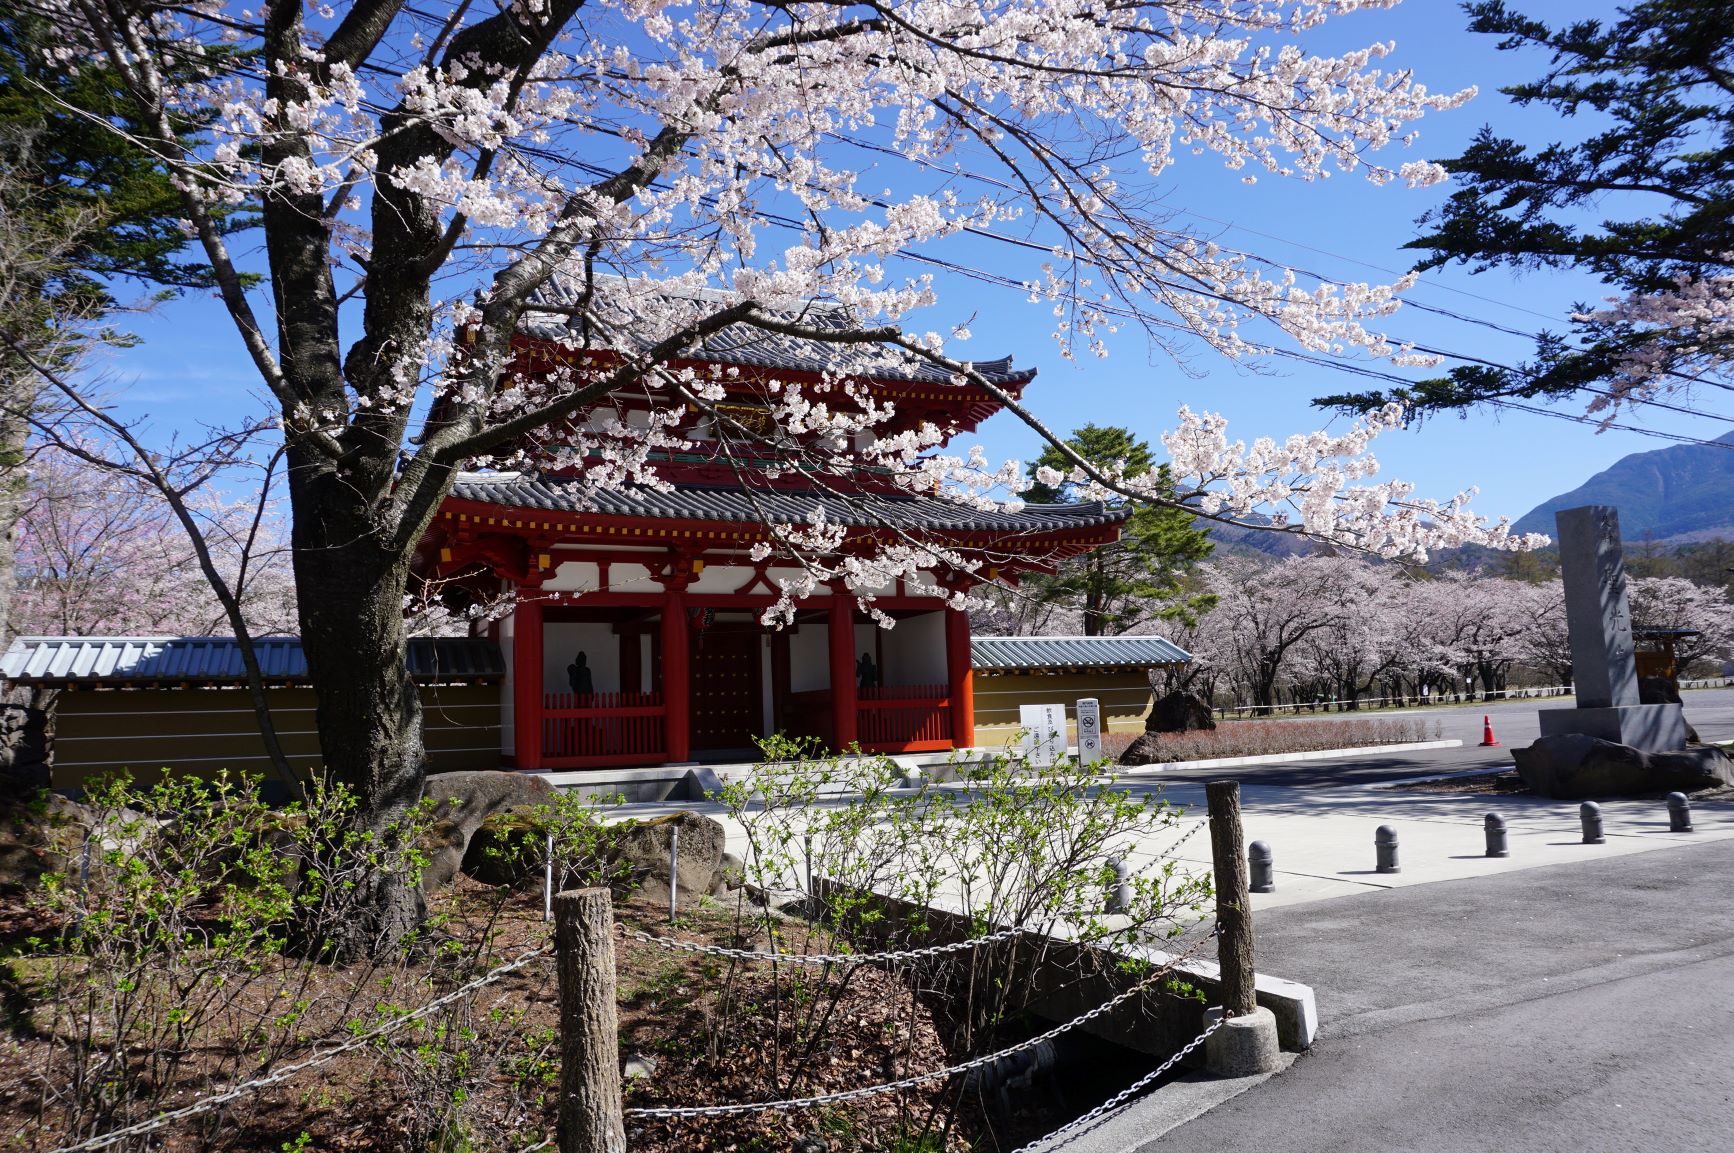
[140, 661]
[1005, 654]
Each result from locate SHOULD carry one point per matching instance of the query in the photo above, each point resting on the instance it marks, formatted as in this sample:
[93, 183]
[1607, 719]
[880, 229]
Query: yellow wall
[1125, 700]
[205, 730]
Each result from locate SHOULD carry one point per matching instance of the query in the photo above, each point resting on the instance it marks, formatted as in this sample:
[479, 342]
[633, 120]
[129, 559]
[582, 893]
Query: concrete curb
[1290, 758]
[1141, 1120]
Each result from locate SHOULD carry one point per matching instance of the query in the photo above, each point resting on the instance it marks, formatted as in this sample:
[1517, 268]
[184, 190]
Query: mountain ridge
[1669, 495]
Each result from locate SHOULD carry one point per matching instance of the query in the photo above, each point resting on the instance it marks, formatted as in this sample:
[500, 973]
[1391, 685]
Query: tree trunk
[14, 433]
[26, 720]
[351, 584]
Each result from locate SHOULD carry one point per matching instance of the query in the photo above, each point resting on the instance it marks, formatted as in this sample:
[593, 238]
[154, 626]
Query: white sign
[1044, 732]
[1089, 731]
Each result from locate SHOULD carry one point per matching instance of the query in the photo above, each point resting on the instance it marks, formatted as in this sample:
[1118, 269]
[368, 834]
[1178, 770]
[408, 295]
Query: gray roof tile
[696, 502]
[1005, 654]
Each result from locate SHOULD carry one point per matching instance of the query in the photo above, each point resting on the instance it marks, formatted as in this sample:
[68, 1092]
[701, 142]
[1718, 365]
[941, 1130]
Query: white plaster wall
[631, 578]
[720, 578]
[561, 642]
[866, 641]
[915, 651]
[809, 658]
[572, 576]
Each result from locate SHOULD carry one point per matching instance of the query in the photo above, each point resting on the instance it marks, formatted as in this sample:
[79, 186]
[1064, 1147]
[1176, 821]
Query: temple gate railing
[904, 718]
[584, 730]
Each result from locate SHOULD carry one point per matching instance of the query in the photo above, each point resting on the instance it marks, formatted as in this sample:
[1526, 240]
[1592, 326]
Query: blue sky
[190, 366]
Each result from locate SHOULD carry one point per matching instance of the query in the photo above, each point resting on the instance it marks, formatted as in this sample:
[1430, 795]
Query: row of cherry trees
[1348, 630]
[100, 553]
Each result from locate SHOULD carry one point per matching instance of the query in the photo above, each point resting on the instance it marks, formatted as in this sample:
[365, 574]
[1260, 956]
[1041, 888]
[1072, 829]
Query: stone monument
[1603, 670]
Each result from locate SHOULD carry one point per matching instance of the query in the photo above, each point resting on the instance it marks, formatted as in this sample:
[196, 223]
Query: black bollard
[1679, 813]
[1495, 826]
[1385, 846]
[1261, 867]
[1590, 814]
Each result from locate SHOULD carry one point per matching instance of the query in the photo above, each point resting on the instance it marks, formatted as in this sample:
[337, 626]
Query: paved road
[1568, 1009]
[1515, 723]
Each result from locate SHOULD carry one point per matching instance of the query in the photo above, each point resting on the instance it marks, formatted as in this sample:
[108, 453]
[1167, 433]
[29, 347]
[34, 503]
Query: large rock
[644, 849]
[462, 802]
[41, 835]
[1572, 766]
[1179, 712]
[1146, 750]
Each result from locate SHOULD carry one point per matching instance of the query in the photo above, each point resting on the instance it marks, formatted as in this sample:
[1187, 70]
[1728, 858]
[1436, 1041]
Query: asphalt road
[1569, 1009]
[1515, 723]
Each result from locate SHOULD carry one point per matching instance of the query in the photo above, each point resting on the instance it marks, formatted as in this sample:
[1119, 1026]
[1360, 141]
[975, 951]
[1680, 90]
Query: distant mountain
[1244, 540]
[1675, 494]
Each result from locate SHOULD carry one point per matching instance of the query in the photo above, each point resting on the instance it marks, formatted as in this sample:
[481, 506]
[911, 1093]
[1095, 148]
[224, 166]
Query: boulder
[1179, 712]
[44, 834]
[1146, 750]
[643, 849]
[462, 802]
[1572, 766]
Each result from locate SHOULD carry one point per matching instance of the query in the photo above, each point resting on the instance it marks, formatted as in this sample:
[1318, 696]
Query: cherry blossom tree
[1677, 603]
[99, 552]
[1359, 647]
[1265, 612]
[633, 176]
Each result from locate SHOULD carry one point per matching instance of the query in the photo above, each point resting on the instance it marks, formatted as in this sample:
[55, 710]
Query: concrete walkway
[1569, 1009]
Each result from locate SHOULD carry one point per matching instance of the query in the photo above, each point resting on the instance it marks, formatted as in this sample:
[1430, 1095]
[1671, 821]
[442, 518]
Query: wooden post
[591, 1117]
[1233, 900]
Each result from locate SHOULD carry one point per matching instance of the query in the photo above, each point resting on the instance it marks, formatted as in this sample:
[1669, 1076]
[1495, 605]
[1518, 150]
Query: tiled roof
[1005, 654]
[696, 502]
[550, 318]
[139, 661]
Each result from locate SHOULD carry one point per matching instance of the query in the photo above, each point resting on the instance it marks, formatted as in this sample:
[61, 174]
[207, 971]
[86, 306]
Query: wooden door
[726, 695]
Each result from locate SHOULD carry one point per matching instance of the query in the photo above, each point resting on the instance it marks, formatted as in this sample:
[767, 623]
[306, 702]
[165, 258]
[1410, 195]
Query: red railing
[580, 730]
[904, 718]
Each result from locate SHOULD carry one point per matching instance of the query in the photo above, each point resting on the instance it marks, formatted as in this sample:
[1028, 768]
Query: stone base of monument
[1244, 1046]
[1652, 728]
[1573, 766]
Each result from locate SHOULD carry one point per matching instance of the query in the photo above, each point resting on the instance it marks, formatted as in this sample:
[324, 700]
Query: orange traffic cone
[1488, 740]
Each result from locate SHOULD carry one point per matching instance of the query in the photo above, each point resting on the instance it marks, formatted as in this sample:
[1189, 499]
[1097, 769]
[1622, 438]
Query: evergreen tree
[1656, 87]
[1142, 577]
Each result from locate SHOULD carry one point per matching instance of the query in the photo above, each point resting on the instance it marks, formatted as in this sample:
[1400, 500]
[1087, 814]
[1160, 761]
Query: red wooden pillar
[676, 681]
[961, 678]
[527, 688]
[842, 647]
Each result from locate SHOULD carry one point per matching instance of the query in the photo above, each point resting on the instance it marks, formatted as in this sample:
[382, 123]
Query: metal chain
[822, 958]
[922, 1078]
[1123, 1095]
[678, 945]
[284, 1072]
